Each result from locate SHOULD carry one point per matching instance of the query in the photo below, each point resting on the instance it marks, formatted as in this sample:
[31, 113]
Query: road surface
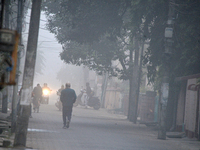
[92, 130]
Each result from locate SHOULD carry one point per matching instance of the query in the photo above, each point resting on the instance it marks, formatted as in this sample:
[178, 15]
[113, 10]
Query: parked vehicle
[92, 101]
[80, 99]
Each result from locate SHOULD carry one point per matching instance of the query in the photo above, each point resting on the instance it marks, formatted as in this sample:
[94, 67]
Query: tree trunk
[136, 80]
[130, 106]
[104, 87]
[133, 87]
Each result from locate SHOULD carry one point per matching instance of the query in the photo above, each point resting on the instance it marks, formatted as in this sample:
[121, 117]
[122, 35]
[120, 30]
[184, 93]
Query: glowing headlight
[46, 92]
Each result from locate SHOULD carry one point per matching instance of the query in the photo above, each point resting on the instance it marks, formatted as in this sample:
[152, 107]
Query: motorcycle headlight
[46, 92]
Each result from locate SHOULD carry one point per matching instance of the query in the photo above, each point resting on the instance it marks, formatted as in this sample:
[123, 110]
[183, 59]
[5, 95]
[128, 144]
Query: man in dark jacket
[68, 98]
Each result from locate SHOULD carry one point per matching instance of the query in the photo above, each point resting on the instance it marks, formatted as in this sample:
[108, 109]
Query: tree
[96, 33]
[85, 21]
[87, 39]
[184, 58]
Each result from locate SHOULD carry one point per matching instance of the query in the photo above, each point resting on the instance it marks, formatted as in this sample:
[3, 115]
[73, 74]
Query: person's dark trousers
[30, 111]
[67, 112]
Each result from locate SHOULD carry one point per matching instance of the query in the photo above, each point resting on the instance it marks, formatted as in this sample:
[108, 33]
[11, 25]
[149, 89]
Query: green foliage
[187, 38]
[156, 21]
[98, 32]
[84, 21]
[95, 33]
[98, 56]
[184, 59]
[90, 32]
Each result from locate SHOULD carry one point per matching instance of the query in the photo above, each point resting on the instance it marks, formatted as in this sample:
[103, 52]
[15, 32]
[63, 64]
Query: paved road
[92, 130]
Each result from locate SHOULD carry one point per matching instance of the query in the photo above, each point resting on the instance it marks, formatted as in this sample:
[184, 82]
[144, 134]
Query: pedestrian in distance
[37, 94]
[59, 91]
[68, 98]
[59, 103]
[88, 92]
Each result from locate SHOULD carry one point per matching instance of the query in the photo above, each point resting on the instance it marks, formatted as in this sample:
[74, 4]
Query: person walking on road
[68, 98]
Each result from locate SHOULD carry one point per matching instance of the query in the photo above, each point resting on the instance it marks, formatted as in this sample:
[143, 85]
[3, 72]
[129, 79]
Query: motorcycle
[92, 101]
[45, 96]
[36, 104]
[80, 99]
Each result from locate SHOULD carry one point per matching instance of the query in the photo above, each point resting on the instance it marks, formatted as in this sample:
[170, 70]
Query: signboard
[7, 40]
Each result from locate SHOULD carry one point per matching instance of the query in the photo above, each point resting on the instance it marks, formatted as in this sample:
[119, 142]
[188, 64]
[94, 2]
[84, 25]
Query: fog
[48, 62]
[52, 63]
[132, 43]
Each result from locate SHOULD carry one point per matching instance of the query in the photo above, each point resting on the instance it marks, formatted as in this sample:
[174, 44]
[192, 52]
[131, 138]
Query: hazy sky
[51, 49]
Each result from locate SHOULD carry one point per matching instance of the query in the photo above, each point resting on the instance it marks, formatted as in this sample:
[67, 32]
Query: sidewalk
[184, 142]
[188, 144]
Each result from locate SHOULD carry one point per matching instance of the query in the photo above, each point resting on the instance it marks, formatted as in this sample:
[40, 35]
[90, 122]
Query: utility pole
[7, 14]
[165, 82]
[29, 69]
[15, 88]
[2, 13]
[5, 91]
